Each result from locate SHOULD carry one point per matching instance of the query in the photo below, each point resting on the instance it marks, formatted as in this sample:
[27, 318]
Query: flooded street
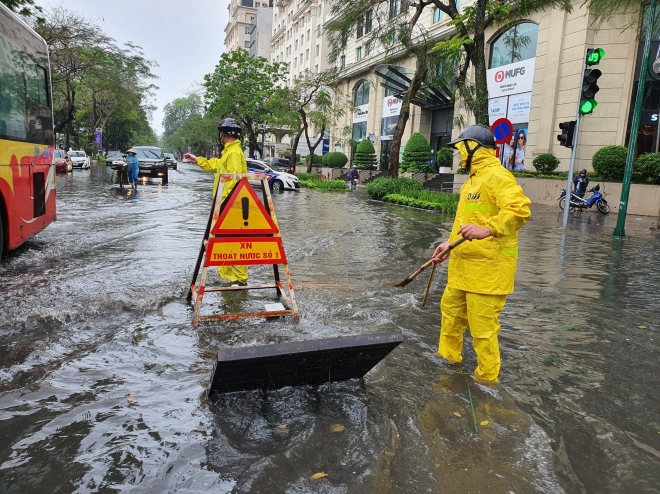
[103, 378]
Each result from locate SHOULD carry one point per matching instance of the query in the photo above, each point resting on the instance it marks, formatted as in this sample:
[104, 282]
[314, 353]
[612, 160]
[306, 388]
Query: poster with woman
[507, 153]
[520, 150]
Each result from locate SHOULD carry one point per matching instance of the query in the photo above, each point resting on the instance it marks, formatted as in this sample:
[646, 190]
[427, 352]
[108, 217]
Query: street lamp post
[262, 127]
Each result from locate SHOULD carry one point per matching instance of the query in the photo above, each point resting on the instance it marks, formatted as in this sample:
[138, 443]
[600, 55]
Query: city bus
[27, 171]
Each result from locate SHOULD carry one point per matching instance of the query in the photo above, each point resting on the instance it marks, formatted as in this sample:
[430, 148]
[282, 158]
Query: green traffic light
[588, 106]
[594, 57]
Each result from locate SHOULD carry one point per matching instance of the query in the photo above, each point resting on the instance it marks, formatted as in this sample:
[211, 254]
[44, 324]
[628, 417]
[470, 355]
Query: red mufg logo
[499, 76]
[389, 102]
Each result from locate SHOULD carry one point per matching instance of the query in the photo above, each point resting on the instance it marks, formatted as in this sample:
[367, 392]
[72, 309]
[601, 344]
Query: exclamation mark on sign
[245, 203]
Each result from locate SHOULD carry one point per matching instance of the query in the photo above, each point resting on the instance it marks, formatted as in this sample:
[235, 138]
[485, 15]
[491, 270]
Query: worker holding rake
[491, 210]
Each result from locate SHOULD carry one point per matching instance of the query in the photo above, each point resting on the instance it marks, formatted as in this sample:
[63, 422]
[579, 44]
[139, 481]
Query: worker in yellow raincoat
[491, 209]
[231, 161]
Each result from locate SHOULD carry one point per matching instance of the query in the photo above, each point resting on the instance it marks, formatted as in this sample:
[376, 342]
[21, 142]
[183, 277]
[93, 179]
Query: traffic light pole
[620, 230]
[576, 136]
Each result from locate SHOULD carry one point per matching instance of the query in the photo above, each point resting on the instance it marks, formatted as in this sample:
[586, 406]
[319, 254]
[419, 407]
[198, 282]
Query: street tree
[240, 87]
[394, 29]
[26, 8]
[91, 74]
[180, 110]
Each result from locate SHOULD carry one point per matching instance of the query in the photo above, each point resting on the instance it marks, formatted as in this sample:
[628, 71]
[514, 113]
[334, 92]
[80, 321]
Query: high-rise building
[248, 25]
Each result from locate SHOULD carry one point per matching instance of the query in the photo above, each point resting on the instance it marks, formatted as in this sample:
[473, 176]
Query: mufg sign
[511, 79]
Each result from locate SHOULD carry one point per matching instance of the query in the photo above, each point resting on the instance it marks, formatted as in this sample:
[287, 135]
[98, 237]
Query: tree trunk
[479, 61]
[310, 160]
[420, 74]
[294, 149]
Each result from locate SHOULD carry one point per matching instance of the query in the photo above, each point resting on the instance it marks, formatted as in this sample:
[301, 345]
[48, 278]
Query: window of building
[307, 54]
[362, 94]
[309, 35]
[342, 62]
[318, 31]
[394, 8]
[514, 45]
[252, 19]
[247, 44]
[404, 7]
[360, 27]
[319, 13]
[358, 54]
[368, 21]
[247, 30]
[316, 69]
[295, 62]
[437, 15]
[302, 21]
[367, 49]
[296, 45]
[318, 48]
[458, 5]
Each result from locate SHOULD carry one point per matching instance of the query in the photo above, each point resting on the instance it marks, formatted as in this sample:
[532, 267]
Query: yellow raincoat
[231, 161]
[481, 272]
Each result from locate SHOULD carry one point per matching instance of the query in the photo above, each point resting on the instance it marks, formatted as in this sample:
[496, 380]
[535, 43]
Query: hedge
[335, 159]
[546, 163]
[382, 186]
[416, 155]
[647, 166]
[610, 162]
[445, 157]
[332, 185]
[365, 156]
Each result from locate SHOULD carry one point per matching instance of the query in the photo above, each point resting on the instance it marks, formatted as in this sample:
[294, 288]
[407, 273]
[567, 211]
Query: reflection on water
[102, 377]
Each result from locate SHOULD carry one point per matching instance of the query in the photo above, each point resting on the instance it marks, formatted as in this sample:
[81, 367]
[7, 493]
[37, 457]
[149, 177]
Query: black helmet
[477, 133]
[230, 127]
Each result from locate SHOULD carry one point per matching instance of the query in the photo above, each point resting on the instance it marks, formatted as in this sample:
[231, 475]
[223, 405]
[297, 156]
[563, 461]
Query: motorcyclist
[232, 160]
[354, 174]
[580, 183]
[133, 167]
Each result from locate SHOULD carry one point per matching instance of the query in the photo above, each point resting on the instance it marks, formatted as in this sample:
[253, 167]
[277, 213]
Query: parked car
[113, 157]
[79, 159]
[170, 159]
[276, 180]
[62, 162]
[152, 163]
[279, 164]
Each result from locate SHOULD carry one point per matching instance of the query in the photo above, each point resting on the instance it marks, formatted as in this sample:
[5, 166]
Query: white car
[79, 159]
[276, 180]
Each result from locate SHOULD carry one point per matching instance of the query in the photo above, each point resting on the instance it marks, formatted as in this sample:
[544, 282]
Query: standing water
[103, 378]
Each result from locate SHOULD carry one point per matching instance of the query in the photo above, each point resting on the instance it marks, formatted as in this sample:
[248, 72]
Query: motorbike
[353, 184]
[580, 203]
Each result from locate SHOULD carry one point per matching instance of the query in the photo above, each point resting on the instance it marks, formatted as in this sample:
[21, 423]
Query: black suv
[170, 160]
[152, 162]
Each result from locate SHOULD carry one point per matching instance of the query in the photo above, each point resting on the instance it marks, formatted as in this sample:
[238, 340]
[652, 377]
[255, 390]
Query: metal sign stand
[197, 290]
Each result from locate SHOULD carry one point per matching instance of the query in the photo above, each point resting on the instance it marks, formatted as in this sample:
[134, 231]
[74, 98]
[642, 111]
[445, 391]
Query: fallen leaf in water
[283, 426]
[457, 414]
[130, 399]
[319, 475]
[483, 422]
[641, 327]
[337, 428]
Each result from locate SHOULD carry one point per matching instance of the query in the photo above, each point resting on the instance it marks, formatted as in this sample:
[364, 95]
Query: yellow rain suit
[231, 161]
[481, 272]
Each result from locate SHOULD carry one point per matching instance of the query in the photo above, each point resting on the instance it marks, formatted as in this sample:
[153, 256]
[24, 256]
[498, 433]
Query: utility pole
[620, 230]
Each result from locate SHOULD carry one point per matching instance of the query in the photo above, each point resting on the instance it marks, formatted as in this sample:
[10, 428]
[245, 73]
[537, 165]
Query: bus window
[36, 82]
[38, 111]
[12, 92]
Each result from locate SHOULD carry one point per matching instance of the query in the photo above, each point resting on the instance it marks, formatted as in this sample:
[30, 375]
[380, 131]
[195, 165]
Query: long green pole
[620, 230]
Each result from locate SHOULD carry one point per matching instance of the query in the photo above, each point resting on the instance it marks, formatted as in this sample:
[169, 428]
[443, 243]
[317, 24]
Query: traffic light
[567, 131]
[589, 86]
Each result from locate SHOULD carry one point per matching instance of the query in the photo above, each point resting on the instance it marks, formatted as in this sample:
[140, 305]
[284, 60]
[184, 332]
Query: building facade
[534, 70]
[243, 28]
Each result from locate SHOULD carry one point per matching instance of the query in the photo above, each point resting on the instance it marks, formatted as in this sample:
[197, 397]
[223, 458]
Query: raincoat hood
[481, 156]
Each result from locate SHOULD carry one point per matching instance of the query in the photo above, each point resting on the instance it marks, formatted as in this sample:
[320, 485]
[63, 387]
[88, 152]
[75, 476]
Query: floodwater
[103, 378]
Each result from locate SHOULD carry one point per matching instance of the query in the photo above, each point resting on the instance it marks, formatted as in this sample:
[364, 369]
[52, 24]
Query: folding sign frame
[241, 231]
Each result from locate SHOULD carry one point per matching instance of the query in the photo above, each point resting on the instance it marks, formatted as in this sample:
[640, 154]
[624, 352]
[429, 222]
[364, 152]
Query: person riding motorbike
[232, 160]
[354, 176]
[580, 183]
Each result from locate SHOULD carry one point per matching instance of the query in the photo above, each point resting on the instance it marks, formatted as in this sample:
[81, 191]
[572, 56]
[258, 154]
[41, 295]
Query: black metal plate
[301, 362]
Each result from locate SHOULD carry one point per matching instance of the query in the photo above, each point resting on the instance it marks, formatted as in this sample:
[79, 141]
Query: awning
[397, 79]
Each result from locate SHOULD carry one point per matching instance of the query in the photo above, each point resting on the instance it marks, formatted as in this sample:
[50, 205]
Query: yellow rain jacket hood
[490, 198]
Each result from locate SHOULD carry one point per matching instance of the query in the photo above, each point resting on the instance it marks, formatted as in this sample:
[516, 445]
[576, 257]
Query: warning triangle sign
[244, 213]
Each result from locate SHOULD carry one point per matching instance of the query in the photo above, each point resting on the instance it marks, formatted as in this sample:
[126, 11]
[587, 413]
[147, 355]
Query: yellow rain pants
[481, 272]
[231, 161]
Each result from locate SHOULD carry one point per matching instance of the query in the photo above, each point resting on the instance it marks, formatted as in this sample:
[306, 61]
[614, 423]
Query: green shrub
[306, 176]
[610, 162]
[315, 183]
[546, 163]
[365, 156]
[648, 167]
[416, 155]
[425, 199]
[445, 157]
[381, 187]
[462, 171]
[335, 159]
[101, 159]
